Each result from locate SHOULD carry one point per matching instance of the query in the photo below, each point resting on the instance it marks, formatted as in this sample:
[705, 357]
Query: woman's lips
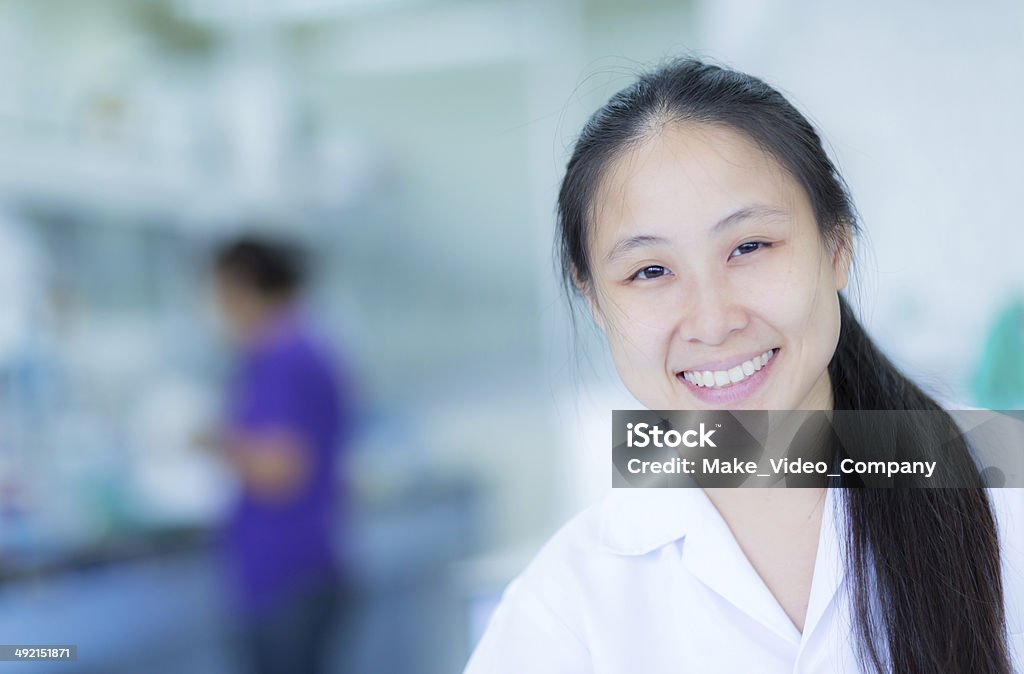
[734, 392]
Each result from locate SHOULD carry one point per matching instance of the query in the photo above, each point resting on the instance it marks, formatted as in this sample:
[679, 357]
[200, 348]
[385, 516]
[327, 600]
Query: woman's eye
[648, 273]
[749, 247]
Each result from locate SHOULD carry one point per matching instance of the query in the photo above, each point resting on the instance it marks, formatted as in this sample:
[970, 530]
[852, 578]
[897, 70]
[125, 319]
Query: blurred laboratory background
[415, 147]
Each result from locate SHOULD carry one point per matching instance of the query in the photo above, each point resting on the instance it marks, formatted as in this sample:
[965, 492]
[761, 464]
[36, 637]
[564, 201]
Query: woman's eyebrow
[753, 211]
[632, 243]
[639, 241]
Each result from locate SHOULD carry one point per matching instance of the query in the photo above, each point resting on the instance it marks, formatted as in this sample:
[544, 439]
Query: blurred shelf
[155, 189]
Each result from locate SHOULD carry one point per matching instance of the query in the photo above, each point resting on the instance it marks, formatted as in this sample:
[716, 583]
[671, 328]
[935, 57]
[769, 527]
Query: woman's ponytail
[923, 563]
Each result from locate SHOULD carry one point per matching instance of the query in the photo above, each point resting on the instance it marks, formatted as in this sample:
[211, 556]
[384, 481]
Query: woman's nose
[713, 313]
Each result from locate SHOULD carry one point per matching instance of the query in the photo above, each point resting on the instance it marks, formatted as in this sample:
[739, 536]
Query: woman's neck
[778, 531]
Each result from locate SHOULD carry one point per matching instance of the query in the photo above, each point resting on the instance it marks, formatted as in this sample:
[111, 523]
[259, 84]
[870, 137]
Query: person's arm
[273, 464]
[267, 443]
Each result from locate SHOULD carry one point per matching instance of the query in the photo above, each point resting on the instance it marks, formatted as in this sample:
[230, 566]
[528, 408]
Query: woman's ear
[595, 311]
[586, 291]
[842, 256]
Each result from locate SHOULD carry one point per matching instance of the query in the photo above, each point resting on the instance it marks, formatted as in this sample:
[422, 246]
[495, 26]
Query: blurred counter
[152, 600]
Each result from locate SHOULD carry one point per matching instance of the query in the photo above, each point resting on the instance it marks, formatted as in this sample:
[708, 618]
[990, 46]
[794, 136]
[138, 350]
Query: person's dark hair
[273, 269]
[927, 558]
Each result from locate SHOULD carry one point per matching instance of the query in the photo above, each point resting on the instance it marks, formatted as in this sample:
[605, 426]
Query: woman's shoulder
[603, 563]
[555, 568]
[539, 624]
[624, 522]
[601, 548]
[1008, 508]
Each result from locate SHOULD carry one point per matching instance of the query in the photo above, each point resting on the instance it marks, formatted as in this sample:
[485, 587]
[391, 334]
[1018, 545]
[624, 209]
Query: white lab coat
[653, 581]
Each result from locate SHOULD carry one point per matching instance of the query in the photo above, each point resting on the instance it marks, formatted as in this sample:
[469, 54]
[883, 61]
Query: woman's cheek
[639, 351]
[638, 344]
[638, 319]
[787, 292]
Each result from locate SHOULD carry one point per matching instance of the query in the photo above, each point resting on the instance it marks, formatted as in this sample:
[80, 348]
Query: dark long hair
[924, 563]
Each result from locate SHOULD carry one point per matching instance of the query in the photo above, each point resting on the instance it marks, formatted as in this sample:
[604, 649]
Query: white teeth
[720, 378]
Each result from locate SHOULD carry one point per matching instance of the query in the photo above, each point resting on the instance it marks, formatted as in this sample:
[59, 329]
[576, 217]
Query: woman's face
[710, 278]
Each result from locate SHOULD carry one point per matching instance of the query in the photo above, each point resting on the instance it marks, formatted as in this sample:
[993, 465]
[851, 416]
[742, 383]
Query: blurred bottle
[999, 379]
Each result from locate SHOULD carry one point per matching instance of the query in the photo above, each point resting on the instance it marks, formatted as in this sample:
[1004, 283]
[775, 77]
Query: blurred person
[710, 236]
[286, 420]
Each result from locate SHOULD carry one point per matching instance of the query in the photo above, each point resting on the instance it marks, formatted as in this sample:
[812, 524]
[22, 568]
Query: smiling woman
[705, 230]
[710, 236]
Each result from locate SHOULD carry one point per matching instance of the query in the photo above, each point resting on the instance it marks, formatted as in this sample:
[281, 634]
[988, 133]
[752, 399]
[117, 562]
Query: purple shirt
[286, 381]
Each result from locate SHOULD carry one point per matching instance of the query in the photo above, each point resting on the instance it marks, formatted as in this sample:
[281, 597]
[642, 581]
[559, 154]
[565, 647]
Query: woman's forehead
[689, 177]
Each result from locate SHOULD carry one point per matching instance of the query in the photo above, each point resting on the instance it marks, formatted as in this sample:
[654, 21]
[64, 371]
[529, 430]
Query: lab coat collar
[638, 521]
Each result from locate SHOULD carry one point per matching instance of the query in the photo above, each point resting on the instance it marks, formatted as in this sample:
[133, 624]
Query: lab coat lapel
[711, 553]
[637, 521]
[829, 568]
